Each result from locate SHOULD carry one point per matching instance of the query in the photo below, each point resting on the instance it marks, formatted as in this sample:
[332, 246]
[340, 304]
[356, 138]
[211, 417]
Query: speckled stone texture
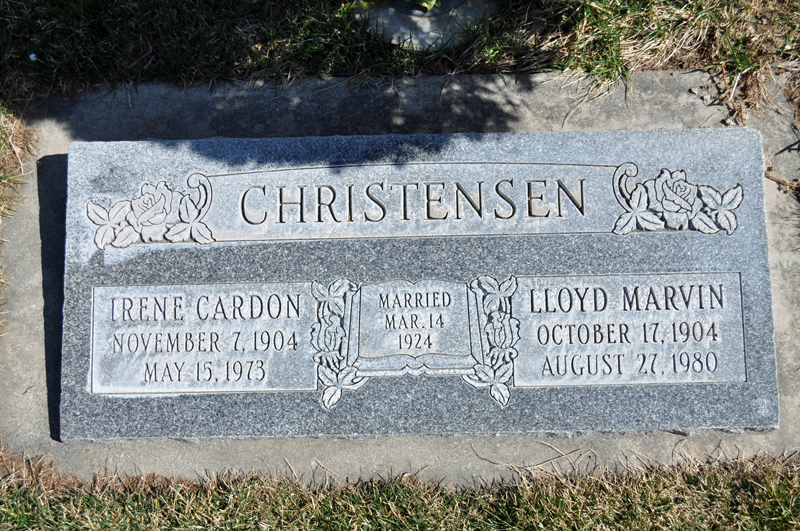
[721, 159]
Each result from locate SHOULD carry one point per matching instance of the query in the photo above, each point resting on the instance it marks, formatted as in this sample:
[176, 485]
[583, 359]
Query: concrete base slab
[33, 259]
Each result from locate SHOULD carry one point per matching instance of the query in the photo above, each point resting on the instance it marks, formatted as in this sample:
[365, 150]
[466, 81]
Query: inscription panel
[392, 200]
[495, 334]
[417, 328]
[632, 329]
[200, 339]
[398, 200]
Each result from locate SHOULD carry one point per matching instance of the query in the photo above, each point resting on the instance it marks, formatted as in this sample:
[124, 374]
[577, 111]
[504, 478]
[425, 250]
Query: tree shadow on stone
[316, 108]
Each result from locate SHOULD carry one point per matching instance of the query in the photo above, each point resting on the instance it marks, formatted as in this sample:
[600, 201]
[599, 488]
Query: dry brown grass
[28, 472]
[756, 493]
[792, 92]
[17, 145]
[746, 41]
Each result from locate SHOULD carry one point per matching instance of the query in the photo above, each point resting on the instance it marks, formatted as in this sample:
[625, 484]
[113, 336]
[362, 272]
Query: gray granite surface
[662, 210]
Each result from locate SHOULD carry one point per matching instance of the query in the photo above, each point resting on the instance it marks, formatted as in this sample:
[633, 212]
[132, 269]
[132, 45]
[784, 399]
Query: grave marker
[497, 283]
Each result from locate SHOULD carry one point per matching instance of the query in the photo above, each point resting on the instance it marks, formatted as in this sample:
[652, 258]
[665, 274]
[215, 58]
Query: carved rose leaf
[649, 221]
[118, 212]
[109, 221]
[332, 299]
[721, 205]
[493, 293]
[336, 306]
[508, 287]
[504, 373]
[625, 224]
[704, 224]
[327, 376]
[488, 284]
[190, 227]
[732, 198]
[484, 373]
[338, 289]
[201, 233]
[180, 232]
[126, 236]
[188, 211]
[639, 203]
[104, 236]
[319, 291]
[347, 375]
[711, 197]
[330, 396]
[500, 393]
[727, 220]
[345, 379]
[97, 213]
[484, 376]
[496, 380]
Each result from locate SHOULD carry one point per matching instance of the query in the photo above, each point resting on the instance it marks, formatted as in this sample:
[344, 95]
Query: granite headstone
[434, 284]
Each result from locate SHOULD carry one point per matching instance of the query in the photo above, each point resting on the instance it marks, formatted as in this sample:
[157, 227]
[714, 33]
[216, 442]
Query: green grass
[762, 493]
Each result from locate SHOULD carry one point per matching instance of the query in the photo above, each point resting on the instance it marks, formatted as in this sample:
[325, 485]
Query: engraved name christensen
[430, 201]
[417, 199]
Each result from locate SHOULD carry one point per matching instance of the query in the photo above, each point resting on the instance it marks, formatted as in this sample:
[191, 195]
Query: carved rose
[672, 200]
[327, 335]
[154, 211]
[329, 359]
[502, 331]
[157, 214]
[674, 197]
